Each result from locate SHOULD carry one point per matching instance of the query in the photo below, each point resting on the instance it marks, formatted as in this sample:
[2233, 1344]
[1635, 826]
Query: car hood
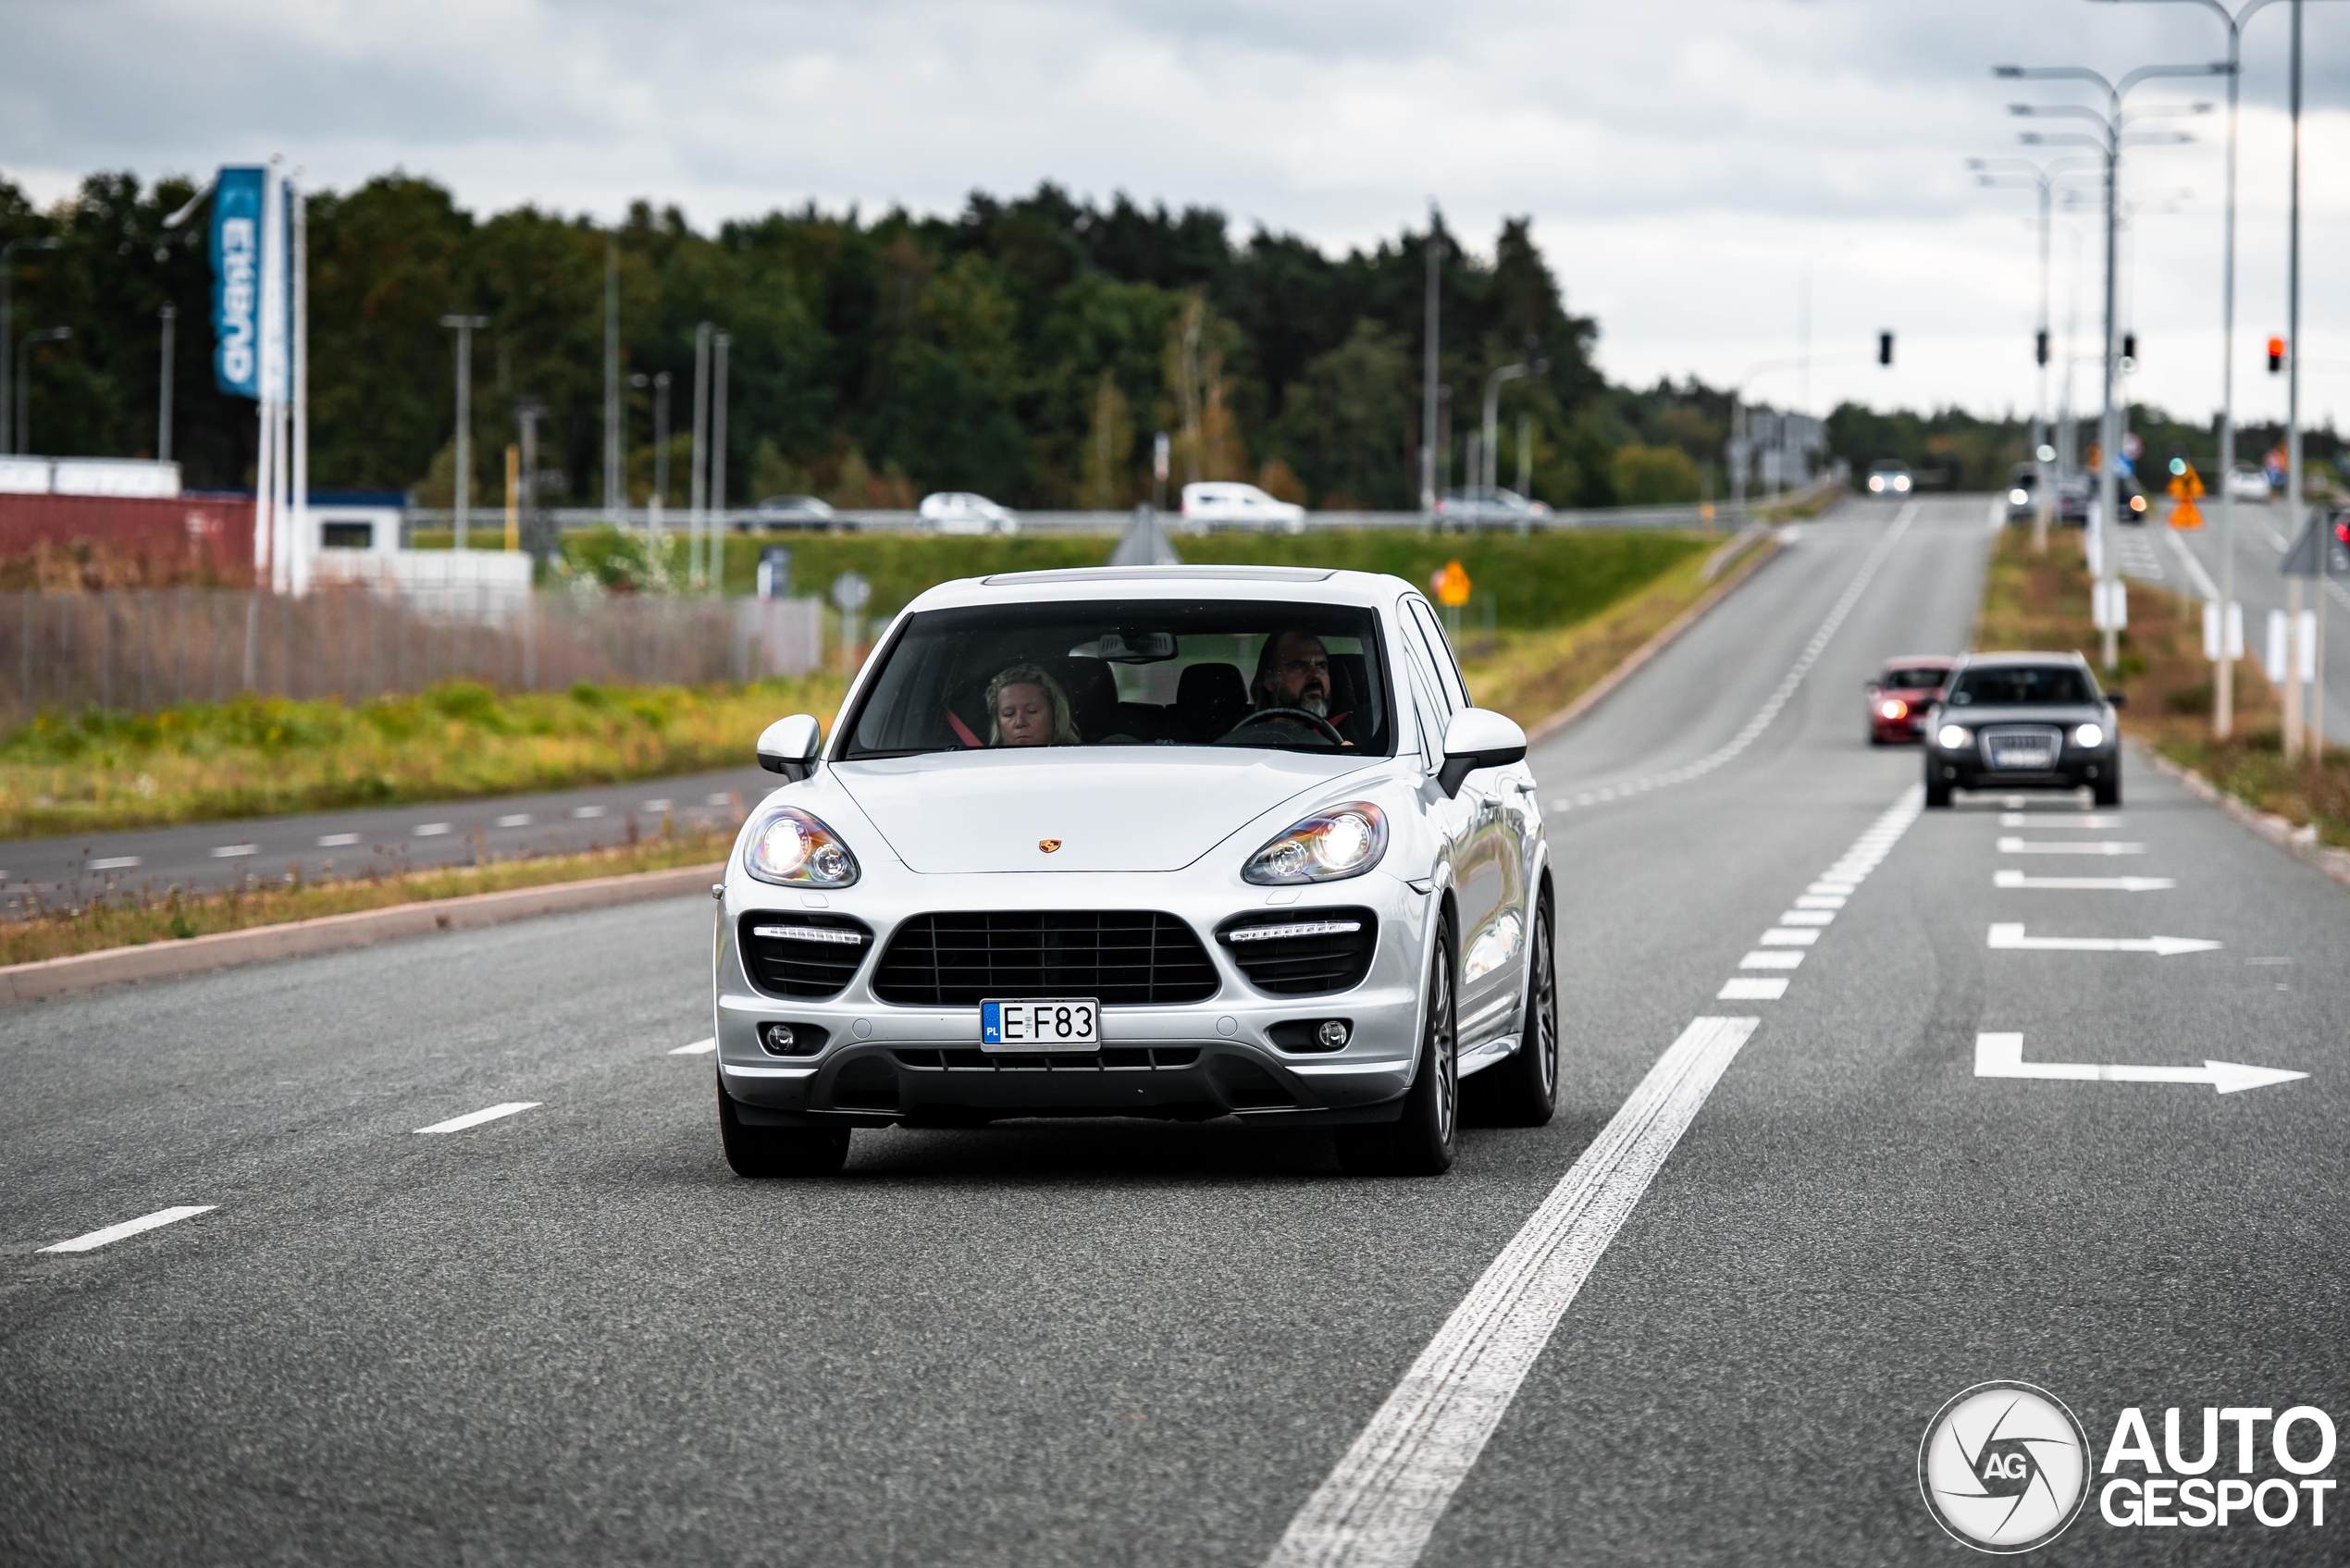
[1976, 716]
[1126, 809]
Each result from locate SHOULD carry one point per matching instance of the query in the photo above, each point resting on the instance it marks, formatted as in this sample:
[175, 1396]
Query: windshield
[1294, 677]
[1904, 678]
[2021, 686]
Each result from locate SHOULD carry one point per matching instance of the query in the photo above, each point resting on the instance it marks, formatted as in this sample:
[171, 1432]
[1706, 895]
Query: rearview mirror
[1478, 737]
[788, 746]
[2118, 698]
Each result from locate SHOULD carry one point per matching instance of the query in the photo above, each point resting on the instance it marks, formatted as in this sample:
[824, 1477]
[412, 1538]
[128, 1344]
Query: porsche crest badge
[1048, 844]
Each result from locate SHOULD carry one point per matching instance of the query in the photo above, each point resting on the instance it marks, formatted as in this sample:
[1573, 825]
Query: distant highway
[426, 1254]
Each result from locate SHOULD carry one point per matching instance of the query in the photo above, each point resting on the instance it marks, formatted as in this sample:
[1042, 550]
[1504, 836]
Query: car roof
[1997, 659]
[1076, 584]
[1941, 659]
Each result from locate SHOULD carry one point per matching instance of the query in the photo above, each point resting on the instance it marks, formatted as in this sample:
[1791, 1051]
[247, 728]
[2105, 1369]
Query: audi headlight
[791, 847]
[2089, 736]
[2018, 498]
[1344, 841]
[1952, 737]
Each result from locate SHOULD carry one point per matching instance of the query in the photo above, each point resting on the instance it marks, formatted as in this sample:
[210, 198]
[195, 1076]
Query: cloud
[1687, 164]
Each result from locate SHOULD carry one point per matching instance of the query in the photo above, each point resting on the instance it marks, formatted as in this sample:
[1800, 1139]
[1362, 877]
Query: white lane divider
[1779, 697]
[434, 830]
[2011, 938]
[235, 851]
[1377, 1507]
[97, 1238]
[2005, 877]
[337, 840]
[2049, 846]
[114, 863]
[475, 1119]
[514, 819]
[699, 1048]
[1785, 936]
[1738, 989]
[586, 813]
[1772, 959]
[2051, 820]
[2001, 1056]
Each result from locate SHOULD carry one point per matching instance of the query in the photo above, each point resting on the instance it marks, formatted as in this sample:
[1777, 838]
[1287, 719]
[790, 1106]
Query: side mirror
[2116, 698]
[1478, 737]
[788, 747]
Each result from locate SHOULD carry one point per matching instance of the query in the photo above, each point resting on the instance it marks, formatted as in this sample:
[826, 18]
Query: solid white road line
[337, 840]
[1779, 697]
[1741, 990]
[2083, 885]
[114, 863]
[2040, 847]
[2011, 938]
[2200, 580]
[235, 851]
[699, 1048]
[434, 830]
[2001, 1056]
[1378, 1506]
[475, 1119]
[131, 1227]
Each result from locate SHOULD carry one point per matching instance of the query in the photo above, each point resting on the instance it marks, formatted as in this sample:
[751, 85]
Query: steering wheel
[1262, 714]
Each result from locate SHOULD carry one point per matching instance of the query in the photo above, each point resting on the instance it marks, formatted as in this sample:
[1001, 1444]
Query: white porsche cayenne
[1176, 841]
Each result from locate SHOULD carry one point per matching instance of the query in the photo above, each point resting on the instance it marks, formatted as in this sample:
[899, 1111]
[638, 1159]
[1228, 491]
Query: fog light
[777, 1039]
[1333, 1034]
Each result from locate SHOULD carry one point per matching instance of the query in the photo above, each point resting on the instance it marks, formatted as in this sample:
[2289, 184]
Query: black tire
[760, 1152]
[2107, 791]
[1423, 1141]
[1938, 794]
[1523, 1090]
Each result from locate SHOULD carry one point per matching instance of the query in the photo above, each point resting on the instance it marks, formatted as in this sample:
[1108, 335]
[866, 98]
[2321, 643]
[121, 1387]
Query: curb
[1537, 733]
[2300, 843]
[258, 944]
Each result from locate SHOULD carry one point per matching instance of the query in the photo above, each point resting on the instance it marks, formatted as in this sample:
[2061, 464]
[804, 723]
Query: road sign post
[851, 593]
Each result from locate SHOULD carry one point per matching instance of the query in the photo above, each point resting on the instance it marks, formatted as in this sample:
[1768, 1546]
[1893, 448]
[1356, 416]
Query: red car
[1901, 695]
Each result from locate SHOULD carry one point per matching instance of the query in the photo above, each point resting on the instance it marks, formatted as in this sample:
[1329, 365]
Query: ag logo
[2004, 1467]
[1048, 844]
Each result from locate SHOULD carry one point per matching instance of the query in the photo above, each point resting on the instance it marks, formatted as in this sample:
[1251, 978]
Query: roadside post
[774, 571]
[850, 592]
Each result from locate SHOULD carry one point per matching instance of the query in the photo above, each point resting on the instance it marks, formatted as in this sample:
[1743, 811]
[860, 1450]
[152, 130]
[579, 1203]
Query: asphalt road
[206, 856]
[2262, 537]
[567, 1335]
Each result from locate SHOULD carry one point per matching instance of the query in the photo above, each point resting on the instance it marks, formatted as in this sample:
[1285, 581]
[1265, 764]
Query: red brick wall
[187, 539]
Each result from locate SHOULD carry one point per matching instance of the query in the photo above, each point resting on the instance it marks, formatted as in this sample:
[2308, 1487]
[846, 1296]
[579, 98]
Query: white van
[1229, 503]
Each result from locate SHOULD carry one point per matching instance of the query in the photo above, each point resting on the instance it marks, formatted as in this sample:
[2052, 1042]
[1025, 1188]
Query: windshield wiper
[884, 753]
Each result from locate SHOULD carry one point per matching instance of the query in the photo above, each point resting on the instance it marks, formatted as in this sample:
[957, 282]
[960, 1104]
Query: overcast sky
[1687, 163]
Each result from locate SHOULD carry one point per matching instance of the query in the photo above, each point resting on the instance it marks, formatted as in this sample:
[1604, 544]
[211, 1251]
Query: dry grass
[2034, 601]
[129, 918]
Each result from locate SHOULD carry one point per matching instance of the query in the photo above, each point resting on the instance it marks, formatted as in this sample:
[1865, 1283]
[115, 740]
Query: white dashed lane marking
[475, 1119]
[1751, 991]
[434, 830]
[235, 851]
[699, 1048]
[115, 863]
[516, 819]
[97, 1238]
[2045, 847]
[337, 840]
[584, 812]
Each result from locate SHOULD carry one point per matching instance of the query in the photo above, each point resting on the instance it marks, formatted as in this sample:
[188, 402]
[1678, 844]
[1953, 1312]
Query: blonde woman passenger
[1027, 707]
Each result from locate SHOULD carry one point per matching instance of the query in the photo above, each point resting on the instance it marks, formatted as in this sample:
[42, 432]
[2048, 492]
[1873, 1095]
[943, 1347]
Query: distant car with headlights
[2024, 721]
[2023, 493]
[1476, 508]
[2073, 493]
[1890, 476]
[2248, 483]
[1172, 842]
[960, 511]
[1227, 504]
[791, 511]
[1901, 695]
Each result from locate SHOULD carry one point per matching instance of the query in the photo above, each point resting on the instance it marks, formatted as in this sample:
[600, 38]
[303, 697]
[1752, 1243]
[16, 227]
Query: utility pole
[616, 499]
[8, 329]
[528, 413]
[660, 446]
[170, 314]
[298, 540]
[719, 342]
[1428, 370]
[2292, 481]
[464, 488]
[698, 482]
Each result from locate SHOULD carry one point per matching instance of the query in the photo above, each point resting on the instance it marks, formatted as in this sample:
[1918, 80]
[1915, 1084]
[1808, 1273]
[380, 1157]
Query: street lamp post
[24, 378]
[719, 343]
[1430, 392]
[2113, 136]
[170, 316]
[698, 485]
[8, 327]
[464, 488]
[1489, 476]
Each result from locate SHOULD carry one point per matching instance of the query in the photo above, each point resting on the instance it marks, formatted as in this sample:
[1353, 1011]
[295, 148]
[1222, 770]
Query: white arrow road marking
[2034, 846]
[96, 1239]
[2083, 884]
[2052, 820]
[1377, 1507]
[699, 1048]
[2012, 938]
[2001, 1056]
[475, 1119]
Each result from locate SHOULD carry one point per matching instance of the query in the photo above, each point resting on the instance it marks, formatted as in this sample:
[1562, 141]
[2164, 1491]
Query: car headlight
[794, 850]
[1892, 708]
[2018, 498]
[1952, 737]
[1344, 841]
[2089, 735]
[1902, 483]
[1875, 483]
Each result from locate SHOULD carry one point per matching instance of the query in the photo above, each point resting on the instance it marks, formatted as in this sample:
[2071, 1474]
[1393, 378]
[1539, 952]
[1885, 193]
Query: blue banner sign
[235, 279]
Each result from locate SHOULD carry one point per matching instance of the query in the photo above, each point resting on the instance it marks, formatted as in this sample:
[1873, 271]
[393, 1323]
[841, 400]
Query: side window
[1416, 685]
[1456, 690]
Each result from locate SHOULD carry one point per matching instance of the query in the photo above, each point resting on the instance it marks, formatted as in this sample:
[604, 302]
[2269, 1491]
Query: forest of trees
[1027, 349]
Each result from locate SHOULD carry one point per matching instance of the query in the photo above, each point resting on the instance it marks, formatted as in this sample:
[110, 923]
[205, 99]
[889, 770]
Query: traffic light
[2129, 347]
[2276, 355]
[1885, 348]
[2040, 347]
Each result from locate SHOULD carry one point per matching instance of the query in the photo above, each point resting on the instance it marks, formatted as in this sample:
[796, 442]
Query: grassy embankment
[2034, 601]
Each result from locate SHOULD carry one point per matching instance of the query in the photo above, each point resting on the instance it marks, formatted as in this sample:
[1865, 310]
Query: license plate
[2015, 756]
[1060, 1023]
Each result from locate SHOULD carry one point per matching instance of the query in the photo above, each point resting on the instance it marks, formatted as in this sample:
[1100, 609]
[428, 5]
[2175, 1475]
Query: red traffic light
[2276, 355]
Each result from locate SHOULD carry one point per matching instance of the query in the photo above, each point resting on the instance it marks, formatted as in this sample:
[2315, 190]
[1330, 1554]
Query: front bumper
[2076, 769]
[883, 1063]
